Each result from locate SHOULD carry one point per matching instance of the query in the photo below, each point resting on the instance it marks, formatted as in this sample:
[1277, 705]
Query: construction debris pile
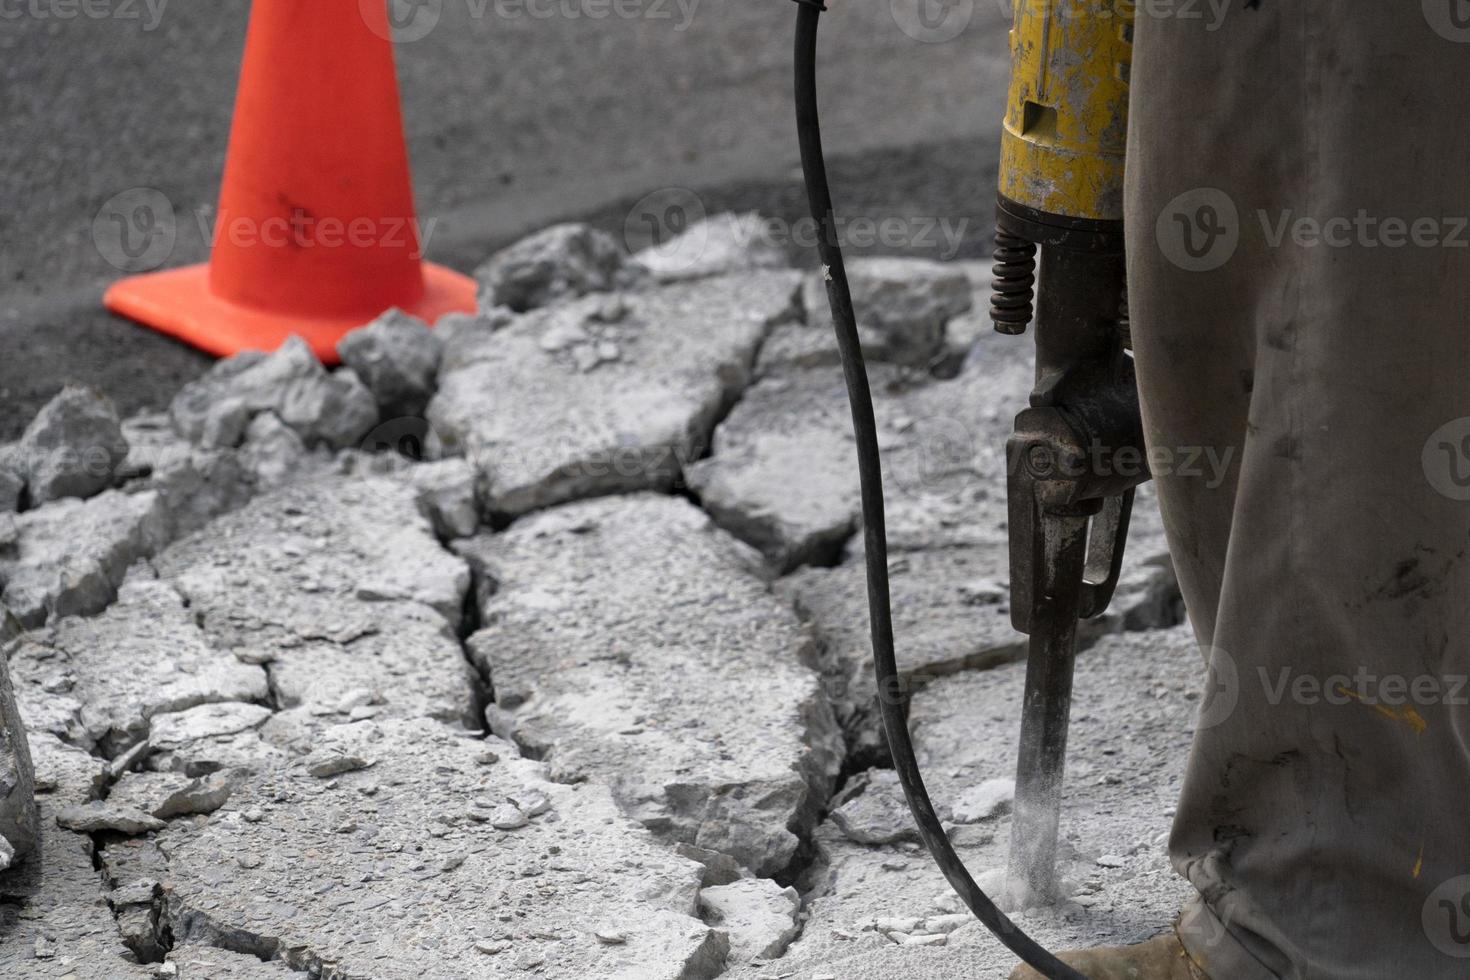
[535, 644]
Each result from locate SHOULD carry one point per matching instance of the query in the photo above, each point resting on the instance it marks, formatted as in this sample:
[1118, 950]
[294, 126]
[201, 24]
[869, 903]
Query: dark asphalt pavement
[518, 112]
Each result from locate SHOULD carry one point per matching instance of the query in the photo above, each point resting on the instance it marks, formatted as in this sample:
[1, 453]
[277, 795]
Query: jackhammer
[1076, 454]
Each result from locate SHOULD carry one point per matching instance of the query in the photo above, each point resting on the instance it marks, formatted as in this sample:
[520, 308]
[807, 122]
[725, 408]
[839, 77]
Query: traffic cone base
[179, 303]
[317, 231]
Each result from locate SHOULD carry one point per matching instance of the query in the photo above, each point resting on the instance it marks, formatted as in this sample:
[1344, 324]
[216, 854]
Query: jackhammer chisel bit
[1076, 454]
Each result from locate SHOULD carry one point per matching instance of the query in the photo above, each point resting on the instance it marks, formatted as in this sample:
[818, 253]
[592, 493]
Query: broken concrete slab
[397, 357]
[336, 583]
[331, 559]
[758, 914]
[412, 668]
[55, 918]
[69, 557]
[73, 446]
[561, 262]
[1137, 694]
[334, 408]
[783, 473]
[18, 819]
[596, 606]
[903, 305]
[604, 395]
[718, 245]
[951, 612]
[383, 871]
[942, 622]
[145, 655]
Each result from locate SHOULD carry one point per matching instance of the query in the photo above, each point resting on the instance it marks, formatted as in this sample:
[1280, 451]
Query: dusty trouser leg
[1300, 290]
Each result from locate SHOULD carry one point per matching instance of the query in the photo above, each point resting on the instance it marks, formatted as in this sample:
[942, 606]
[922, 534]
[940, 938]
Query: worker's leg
[1300, 288]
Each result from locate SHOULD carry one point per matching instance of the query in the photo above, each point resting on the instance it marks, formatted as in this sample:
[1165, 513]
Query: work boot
[1161, 958]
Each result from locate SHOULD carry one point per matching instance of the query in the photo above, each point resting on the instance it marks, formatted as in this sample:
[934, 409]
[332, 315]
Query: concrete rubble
[333, 408]
[535, 644]
[606, 394]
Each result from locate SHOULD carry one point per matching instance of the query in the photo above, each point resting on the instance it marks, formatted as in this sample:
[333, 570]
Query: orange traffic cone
[316, 231]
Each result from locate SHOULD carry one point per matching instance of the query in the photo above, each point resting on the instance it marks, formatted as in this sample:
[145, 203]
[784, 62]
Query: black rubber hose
[875, 536]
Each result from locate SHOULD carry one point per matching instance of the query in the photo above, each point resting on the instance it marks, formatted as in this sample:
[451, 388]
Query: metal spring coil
[1013, 283]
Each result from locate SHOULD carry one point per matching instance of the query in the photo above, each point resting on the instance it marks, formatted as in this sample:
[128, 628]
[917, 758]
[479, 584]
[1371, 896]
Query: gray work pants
[1299, 265]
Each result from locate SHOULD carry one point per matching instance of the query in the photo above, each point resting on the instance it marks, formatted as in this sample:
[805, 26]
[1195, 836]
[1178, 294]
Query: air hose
[875, 538]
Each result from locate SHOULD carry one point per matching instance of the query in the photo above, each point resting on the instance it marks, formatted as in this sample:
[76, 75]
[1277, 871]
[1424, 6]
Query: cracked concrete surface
[597, 608]
[513, 711]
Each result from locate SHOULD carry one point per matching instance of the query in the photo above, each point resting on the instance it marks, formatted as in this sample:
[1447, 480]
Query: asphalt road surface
[518, 113]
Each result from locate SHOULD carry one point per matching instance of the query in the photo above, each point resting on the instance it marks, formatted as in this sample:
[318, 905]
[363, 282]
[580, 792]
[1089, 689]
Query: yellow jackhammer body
[1076, 453]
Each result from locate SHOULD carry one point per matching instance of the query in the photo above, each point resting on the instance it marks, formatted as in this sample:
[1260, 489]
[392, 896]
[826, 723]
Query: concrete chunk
[397, 357]
[598, 606]
[69, 557]
[561, 262]
[73, 447]
[604, 395]
[759, 915]
[214, 411]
